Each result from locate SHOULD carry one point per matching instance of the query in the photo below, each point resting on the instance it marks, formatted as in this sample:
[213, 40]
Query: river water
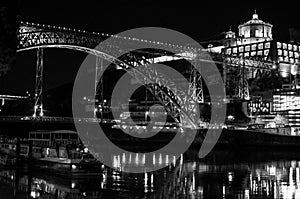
[222, 174]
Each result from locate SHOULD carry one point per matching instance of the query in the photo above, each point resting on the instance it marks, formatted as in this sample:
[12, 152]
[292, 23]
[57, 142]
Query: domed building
[255, 30]
[255, 40]
[272, 93]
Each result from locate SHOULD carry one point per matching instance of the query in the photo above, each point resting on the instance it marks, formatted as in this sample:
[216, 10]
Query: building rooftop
[255, 21]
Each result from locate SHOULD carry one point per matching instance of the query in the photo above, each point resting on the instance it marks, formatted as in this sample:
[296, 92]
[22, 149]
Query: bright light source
[230, 117]
[294, 69]
[284, 69]
[34, 194]
[230, 176]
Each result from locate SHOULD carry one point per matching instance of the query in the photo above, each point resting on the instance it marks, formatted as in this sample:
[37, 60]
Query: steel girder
[242, 87]
[180, 104]
[174, 99]
[41, 34]
[44, 35]
[195, 86]
[38, 98]
[248, 63]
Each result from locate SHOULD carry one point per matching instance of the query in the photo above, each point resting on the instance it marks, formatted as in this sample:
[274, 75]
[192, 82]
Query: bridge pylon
[98, 93]
[242, 89]
[38, 97]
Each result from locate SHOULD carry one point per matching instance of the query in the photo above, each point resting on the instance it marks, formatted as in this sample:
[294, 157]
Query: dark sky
[200, 20]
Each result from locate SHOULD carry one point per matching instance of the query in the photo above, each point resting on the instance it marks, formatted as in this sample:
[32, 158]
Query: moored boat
[63, 152]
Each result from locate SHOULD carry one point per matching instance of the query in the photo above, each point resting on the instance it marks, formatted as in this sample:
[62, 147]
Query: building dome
[229, 34]
[255, 30]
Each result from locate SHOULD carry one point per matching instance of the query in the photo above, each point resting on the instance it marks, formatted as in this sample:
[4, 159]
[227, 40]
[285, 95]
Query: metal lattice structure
[173, 98]
[242, 87]
[243, 66]
[179, 104]
[38, 98]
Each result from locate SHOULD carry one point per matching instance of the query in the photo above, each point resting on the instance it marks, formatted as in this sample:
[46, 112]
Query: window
[46, 136]
[32, 135]
[284, 46]
[278, 45]
[65, 136]
[235, 50]
[73, 136]
[247, 48]
[286, 59]
[295, 47]
[266, 52]
[39, 136]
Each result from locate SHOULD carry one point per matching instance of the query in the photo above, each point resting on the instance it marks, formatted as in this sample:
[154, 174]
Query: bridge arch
[175, 100]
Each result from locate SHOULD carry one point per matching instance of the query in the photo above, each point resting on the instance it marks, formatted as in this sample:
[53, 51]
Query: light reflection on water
[187, 177]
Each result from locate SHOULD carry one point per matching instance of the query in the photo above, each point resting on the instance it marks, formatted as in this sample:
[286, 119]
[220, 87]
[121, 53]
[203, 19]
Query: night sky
[198, 19]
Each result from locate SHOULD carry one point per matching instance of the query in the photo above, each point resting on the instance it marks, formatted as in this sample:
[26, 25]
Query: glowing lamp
[274, 66]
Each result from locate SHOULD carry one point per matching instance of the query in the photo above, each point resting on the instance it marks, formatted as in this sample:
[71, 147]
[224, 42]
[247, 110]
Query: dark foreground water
[222, 174]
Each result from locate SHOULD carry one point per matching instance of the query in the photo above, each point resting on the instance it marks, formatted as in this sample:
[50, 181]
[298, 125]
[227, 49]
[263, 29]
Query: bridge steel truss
[242, 65]
[38, 97]
[180, 105]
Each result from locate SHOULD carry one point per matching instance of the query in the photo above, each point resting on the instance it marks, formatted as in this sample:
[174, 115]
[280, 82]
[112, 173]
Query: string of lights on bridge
[188, 53]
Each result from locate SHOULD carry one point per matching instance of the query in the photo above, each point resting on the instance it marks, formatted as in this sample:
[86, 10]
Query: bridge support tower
[38, 100]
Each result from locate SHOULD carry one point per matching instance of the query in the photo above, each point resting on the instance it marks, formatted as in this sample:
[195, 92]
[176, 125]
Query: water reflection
[185, 177]
[142, 162]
